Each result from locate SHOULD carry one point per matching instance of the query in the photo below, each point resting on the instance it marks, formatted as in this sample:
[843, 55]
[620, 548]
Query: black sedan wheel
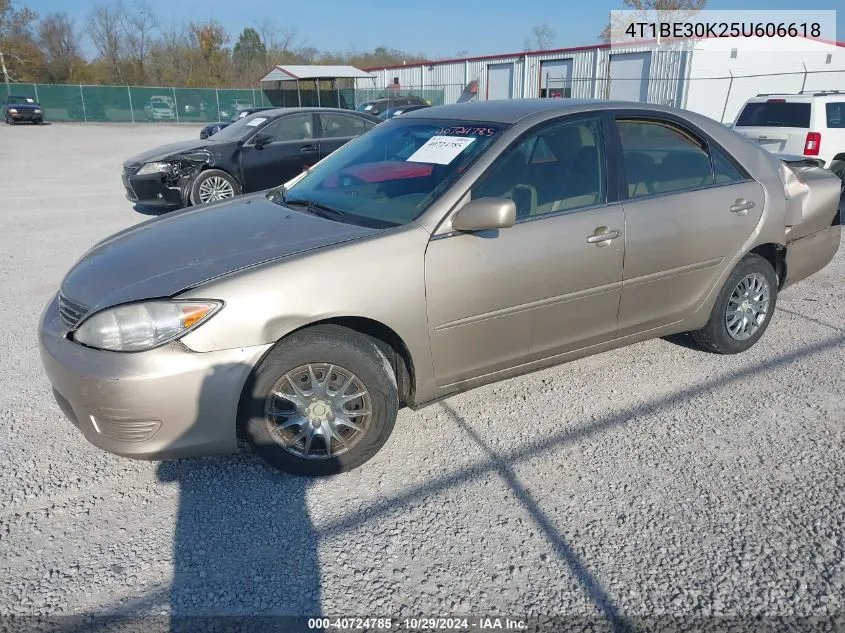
[212, 185]
[323, 401]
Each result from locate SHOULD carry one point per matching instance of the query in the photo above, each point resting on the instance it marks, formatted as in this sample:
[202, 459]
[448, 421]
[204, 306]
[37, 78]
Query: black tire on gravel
[330, 345]
[714, 336]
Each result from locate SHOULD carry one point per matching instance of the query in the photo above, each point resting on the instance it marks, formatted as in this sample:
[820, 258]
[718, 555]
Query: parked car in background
[255, 152]
[157, 110]
[213, 128]
[810, 124]
[192, 107]
[235, 106]
[445, 249]
[378, 106]
[394, 112]
[17, 108]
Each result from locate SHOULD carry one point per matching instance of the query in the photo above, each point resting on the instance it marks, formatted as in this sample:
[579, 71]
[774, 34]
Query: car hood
[165, 151]
[24, 106]
[169, 254]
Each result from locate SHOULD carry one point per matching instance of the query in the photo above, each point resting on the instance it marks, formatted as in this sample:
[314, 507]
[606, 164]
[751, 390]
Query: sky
[438, 28]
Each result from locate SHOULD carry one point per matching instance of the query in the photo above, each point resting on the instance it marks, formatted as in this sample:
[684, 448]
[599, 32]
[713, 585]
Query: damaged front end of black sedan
[165, 183]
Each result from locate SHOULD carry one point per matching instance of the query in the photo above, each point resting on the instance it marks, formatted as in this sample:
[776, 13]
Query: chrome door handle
[602, 235]
[741, 205]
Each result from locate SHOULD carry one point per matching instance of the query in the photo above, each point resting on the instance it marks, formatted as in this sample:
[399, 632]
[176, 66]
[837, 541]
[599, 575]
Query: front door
[497, 299]
[291, 146]
[690, 210]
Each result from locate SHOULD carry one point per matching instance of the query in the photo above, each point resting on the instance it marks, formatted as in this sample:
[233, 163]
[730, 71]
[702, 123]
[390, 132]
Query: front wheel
[743, 310]
[212, 185]
[323, 401]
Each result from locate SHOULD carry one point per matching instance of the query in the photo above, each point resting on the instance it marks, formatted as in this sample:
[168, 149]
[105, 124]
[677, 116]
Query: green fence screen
[138, 104]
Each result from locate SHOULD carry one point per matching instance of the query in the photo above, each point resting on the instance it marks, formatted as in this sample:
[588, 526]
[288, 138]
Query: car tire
[329, 355]
[215, 179]
[749, 285]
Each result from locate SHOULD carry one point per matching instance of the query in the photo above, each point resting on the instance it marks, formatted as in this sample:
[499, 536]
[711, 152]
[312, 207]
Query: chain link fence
[138, 104]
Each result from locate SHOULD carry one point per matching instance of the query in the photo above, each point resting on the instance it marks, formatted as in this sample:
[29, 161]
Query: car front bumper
[24, 115]
[169, 402]
[150, 190]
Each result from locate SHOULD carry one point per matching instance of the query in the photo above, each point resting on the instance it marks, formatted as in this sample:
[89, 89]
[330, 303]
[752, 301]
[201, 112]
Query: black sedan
[257, 152]
[18, 108]
[214, 128]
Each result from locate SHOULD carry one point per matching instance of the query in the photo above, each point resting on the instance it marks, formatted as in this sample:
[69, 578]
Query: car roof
[512, 110]
[280, 111]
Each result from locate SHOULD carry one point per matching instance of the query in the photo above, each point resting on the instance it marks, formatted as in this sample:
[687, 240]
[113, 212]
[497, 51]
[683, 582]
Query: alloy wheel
[748, 306]
[318, 411]
[215, 188]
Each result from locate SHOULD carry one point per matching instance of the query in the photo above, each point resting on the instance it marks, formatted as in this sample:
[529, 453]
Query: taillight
[812, 144]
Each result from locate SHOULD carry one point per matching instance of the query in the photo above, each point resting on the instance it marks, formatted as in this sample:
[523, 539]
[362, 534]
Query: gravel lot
[656, 480]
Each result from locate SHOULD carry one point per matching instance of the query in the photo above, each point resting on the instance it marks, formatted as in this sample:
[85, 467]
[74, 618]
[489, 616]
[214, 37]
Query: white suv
[808, 124]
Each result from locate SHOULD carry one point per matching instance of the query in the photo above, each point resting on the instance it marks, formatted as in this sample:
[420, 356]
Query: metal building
[713, 77]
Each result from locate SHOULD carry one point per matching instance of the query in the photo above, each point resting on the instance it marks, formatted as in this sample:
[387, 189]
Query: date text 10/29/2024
[338, 625]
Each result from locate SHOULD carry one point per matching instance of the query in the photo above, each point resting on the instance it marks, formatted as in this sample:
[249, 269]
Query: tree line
[126, 43]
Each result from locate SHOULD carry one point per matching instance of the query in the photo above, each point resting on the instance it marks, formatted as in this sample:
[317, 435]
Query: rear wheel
[322, 402]
[212, 185]
[743, 310]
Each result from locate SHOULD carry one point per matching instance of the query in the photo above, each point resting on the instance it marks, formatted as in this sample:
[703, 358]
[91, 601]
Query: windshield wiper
[318, 209]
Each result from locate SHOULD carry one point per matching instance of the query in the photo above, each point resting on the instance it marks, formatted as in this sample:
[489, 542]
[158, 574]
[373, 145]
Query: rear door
[778, 124]
[292, 145]
[690, 209]
[337, 129]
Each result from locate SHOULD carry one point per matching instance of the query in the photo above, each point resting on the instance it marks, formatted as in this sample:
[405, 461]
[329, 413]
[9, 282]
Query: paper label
[255, 122]
[440, 150]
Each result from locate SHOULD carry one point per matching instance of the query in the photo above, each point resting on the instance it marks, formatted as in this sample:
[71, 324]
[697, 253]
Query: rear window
[775, 114]
[836, 114]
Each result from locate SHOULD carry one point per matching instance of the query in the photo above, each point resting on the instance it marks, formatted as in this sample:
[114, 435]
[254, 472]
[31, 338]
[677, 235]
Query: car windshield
[241, 128]
[158, 105]
[20, 100]
[390, 175]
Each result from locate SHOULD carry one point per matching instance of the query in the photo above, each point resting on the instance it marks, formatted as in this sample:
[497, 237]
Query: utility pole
[5, 72]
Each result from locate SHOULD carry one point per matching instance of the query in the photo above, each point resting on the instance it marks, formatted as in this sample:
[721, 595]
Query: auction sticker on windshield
[441, 150]
[255, 122]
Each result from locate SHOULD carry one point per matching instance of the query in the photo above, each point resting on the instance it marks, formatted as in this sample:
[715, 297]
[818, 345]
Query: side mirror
[261, 140]
[485, 214]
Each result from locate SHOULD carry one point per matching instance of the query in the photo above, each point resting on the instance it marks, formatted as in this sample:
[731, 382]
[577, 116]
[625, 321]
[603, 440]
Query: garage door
[500, 81]
[629, 76]
[556, 78]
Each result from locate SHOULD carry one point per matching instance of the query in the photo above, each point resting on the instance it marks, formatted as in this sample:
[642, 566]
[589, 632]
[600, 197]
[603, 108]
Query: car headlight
[134, 327]
[153, 168]
[13, 110]
[37, 111]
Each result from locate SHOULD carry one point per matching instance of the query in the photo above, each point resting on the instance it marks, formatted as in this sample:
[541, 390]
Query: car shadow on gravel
[147, 210]
[243, 544]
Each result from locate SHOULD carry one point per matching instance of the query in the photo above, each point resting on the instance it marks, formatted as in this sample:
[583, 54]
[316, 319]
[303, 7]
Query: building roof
[314, 71]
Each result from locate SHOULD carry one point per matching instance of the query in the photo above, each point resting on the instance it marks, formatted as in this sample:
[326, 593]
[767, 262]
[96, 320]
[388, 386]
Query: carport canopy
[315, 73]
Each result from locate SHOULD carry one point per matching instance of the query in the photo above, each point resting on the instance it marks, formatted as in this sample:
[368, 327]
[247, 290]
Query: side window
[341, 126]
[293, 127]
[557, 168]
[725, 169]
[661, 158]
[835, 114]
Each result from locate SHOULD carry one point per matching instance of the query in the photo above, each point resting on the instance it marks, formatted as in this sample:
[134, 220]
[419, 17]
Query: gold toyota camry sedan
[445, 249]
